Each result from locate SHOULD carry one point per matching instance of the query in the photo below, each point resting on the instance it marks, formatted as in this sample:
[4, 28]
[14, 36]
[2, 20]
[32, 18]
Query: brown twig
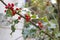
[32, 23]
[3, 3]
[58, 6]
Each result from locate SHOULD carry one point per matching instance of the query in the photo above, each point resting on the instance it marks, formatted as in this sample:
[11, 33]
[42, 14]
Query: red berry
[9, 4]
[19, 18]
[13, 13]
[17, 8]
[12, 5]
[40, 24]
[12, 8]
[4, 10]
[6, 7]
[27, 17]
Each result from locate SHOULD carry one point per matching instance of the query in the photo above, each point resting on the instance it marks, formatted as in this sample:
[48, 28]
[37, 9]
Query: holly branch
[31, 22]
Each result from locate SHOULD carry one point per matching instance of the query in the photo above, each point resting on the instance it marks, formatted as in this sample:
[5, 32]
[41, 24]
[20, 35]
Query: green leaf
[8, 13]
[33, 16]
[16, 21]
[13, 29]
[45, 19]
[33, 30]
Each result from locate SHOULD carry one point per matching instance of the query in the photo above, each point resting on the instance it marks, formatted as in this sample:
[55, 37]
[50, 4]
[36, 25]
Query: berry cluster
[27, 17]
[11, 7]
[40, 24]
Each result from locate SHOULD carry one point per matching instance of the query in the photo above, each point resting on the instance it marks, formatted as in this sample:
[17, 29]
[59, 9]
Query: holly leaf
[33, 16]
[13, 29]
[8, 13]
[45, 19]
[16, 21]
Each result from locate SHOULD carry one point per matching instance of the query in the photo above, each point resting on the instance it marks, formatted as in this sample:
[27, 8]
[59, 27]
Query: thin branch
[32, 23]
[3, 2]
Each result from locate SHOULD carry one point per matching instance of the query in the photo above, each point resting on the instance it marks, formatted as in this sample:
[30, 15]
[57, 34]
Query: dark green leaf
[16, 21]
[13, 29]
